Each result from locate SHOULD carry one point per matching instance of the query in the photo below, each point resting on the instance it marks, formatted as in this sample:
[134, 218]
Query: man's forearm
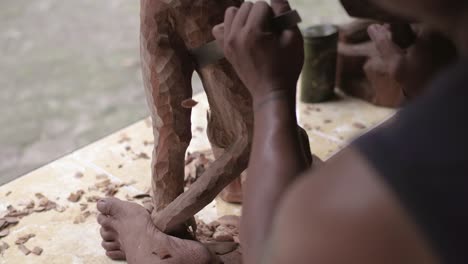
[275, 162]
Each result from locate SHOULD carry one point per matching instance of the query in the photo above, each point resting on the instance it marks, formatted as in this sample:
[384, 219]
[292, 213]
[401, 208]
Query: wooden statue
[170, 29]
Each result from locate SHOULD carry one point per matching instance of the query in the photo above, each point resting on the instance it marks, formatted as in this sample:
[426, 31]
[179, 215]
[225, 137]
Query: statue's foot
[233, 192]
[129, 234]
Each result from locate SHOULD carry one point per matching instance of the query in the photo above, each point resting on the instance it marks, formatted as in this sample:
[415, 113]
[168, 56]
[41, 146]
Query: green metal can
[319, 72]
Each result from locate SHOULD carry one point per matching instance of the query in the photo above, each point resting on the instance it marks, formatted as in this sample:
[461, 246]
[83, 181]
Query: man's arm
[258, 54]
[344, 213]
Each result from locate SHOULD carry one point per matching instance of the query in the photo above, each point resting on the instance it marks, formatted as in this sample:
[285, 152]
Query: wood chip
[39, 195]
[8, 193]
[120, 166]
[93, 199]
[148, 143]
[189, 103]
[4, 232]
[359, 125]
[83, 207]
[142, 155]
[82, 217]
[75, 197]
[39, 209]
[128, 148]
[141, 196]
[24, 249]
[3, 223]
[102, 184]
[60, 209]
[3, 247]
[24, 239]
[11, 220]
[79, 175]
[124, 138]
[101, 177]
[37, 251]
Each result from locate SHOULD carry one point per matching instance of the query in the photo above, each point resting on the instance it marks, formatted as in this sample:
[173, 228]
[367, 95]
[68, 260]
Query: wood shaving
[93, 199]
[141, 196]
[37, 251]
[79, 175]
[101, 177]
[4, 232]
[39, 209]
[24, 239]
[60, 209]
[102, 184]
[48, 204]
[142, 155]
[189, 103]
[12, 220]
[39, 195]
[24, 249]
[83, 207]
[3, 247]
[82, 217]
[148, 143]
[75, 197]
[92, 188]
[124, 138]
[359, 125]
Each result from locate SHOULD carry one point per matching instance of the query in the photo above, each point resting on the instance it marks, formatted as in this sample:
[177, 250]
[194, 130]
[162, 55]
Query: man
[396, 195]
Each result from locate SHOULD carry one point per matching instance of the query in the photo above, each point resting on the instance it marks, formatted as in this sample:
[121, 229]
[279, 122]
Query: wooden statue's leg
[229, 128]
[167, 71]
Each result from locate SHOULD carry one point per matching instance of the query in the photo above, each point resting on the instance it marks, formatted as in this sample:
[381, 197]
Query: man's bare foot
[129, 234]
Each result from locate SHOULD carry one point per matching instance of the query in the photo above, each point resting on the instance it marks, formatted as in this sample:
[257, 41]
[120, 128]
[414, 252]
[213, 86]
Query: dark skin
[341, 212]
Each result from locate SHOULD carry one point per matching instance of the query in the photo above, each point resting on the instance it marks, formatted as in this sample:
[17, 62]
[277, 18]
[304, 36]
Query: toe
[109, 206]
[116, 255]
[110, 245]
[105, 221]
[107, 234]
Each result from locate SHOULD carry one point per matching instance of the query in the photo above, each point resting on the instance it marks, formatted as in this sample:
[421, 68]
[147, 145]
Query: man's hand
[416, 66]
[265, 60]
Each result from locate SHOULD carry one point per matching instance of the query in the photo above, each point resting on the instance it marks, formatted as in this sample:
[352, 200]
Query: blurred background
[70, 74]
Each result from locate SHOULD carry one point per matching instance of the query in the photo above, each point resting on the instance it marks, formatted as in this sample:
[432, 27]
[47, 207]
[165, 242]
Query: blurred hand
[266, 61]
[416, 66]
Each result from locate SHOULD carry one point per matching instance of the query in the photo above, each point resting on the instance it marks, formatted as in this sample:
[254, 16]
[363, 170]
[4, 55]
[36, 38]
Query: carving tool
[211, 52]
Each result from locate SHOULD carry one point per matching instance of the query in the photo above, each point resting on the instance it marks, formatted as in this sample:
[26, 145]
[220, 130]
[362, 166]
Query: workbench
[124, 157]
